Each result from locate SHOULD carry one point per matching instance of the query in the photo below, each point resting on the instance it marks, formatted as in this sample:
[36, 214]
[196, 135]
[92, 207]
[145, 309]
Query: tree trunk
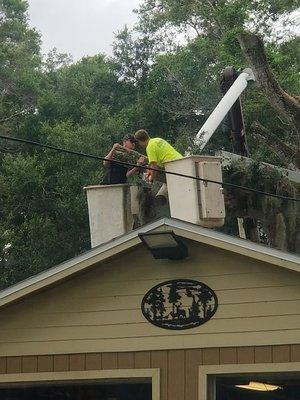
[285, 104]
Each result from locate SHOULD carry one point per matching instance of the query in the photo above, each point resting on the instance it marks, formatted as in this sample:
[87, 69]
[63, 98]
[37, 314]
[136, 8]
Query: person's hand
[141, 160]
[116, 146]
[148, 176]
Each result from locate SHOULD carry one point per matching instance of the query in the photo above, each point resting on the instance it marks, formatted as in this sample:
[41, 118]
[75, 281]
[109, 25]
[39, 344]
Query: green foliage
[42, 191]
[44, 217]
[151, 82]
[280, 219]
[214, 18]
[44, 212]
[133, 56]
[19, 60]
[55, 60]
[284, 59]
[85, 92]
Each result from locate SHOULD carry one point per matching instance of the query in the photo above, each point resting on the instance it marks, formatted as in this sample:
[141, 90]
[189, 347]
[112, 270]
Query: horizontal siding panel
[78, 304]
[153, 343]
[73, 304]
[140, 287]
[220, 282]
[257, 309]
[259, 294]
[224, 262]
[147, 330]
[228, 280]
[102, 318]
[99, 311]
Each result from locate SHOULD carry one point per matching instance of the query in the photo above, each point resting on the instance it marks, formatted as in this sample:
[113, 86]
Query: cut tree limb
[286, 105]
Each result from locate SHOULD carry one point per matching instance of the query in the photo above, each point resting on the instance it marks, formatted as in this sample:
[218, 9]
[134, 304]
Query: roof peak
[131, 239]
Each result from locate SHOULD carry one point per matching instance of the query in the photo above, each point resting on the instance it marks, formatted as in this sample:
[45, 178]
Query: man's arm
[134, 170]
[111, 154]
[152, 174]
[152, 157]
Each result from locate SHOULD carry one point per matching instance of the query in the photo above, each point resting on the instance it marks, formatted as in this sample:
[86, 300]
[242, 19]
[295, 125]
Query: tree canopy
[164, 77]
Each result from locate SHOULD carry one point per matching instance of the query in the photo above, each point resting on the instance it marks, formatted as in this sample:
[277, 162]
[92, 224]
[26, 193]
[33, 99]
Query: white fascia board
[74, 265]
[235, 244]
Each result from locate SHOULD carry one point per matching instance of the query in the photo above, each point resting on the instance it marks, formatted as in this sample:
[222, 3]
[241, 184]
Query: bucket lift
[195, 201]
[202, 203]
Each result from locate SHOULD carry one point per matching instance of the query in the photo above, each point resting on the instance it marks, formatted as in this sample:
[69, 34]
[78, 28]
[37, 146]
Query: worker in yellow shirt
[158, 152]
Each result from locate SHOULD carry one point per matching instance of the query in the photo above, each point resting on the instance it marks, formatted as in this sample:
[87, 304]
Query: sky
[80, 27]
[83, 27]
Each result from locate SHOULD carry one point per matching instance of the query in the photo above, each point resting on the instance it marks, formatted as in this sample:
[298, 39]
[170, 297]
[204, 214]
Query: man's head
[129, 142]
[142, 137]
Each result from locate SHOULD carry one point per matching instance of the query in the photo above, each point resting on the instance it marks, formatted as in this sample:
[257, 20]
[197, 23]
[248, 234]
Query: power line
[223, 184]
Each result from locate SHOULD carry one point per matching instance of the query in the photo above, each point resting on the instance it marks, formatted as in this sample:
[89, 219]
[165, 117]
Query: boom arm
[224, 106]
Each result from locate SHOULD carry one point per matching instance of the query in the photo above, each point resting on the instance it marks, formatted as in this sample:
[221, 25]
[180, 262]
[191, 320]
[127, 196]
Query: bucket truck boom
[224, 106]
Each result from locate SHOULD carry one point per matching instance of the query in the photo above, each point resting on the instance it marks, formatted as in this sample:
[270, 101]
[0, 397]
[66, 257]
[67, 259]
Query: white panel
[109, 212]
[211, 196]
[184, 199]
[182, 192]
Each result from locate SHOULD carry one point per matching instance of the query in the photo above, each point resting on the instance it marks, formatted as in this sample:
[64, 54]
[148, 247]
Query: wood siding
[259, 304]
[178, 368]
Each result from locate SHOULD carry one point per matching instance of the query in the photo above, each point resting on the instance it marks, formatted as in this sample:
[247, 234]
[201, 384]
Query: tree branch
[12, 116]
[288, 155]
[286, 105]
[194, 26]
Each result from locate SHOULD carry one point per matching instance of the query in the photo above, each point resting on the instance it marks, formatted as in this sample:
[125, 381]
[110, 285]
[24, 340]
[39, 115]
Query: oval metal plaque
[179, 304]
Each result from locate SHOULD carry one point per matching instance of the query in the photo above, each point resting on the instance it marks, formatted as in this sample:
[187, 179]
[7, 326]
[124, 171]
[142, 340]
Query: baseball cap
[130, 137]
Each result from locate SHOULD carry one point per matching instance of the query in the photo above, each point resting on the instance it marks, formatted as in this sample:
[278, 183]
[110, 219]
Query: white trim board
[213, 370]
[84, 376]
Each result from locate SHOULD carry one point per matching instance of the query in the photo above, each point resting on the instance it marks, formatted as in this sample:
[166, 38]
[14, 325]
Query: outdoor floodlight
[164, 245]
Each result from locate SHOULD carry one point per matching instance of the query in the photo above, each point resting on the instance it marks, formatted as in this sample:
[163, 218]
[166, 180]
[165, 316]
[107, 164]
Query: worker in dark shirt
[118, 173]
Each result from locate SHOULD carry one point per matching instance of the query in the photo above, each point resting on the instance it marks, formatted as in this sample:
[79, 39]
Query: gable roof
[131, 239]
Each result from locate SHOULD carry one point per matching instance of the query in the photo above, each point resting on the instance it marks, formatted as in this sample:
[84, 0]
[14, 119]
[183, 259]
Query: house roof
[131, 239]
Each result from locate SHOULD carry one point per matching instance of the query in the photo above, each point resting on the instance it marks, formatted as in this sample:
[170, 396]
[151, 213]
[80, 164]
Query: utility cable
[223, 184]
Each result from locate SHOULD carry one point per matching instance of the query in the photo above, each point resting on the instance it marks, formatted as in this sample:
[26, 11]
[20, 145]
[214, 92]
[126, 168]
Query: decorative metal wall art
[179, 304]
